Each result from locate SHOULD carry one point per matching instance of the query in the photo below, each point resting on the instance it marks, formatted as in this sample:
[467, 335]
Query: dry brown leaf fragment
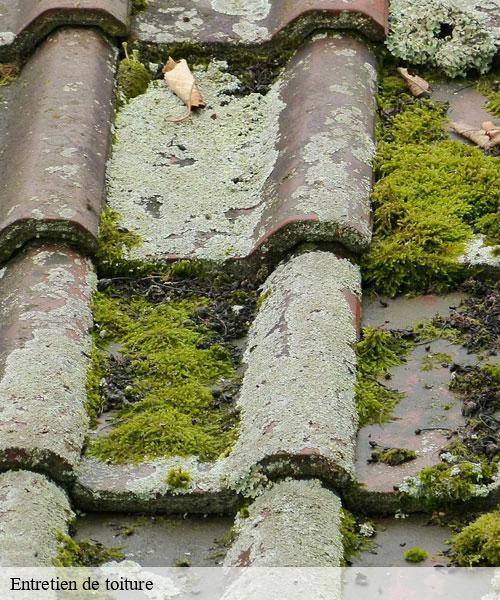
[484, 138]
[181, 81]
[417, 85]
[493, 132]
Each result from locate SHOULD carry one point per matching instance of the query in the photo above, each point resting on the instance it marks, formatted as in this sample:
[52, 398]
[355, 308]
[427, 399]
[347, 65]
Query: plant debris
[393, 456]
[181, 81]
[418, 86]
[487, 137]
[166, 364]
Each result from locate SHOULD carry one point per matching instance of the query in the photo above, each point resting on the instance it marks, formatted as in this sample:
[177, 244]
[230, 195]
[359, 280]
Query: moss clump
[354, 542]
[262, 298]
[415, 555]
[171, 365]
[86, 553]
[435, 359]
[436, 328]
[480, 390]
[393, 456]
[431, 193]
[377, 351]
[442, 486]
[138, 6]
[98, 360]
[8, 74]
[182, 562]
[244, 512]
[490, 88]
[132, 77]
[114, 247]
[178, 479]
[478, 545]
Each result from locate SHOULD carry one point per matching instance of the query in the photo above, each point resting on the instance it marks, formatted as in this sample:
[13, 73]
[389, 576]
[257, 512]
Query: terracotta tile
[44, 344]
[28, 22]
[56, 141]
[298, 413]
[299, 167]
[216, 21]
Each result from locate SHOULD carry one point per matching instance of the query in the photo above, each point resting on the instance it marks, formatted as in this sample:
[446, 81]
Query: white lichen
[448, 34]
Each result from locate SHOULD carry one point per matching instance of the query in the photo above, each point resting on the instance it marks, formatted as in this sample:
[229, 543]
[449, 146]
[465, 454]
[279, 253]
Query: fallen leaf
[181, 81]
[487, 137]
[417, 86]
[493, 132]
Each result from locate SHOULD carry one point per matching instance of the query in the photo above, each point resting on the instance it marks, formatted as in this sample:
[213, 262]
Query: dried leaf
[493, 132]
[181, 81]
[417, 86]
[478, 136]
[494, 138]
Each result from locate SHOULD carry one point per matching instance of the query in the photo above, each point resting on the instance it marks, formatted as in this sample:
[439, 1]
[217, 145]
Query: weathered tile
[32, 508]
[25, 23]
[142, 488]
[251, 176]
[256, 21]
[160, 542]
[297, 398]
[44, 343]
[55, 143]
[291, 524]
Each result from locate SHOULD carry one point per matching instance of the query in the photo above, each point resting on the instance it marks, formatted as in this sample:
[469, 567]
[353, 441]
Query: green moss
[348, 530]
[244, 512]
[377, 351]
[132, 77]
[419, 122]
[443, 485]
[415, 555]
[178, 479]
[353, 542]
[86, 553]
[393, 456]
[98, 360]
[138, 6]
[428, 331]
[433, 360]
[489, 87]
[182, 562]
[430, 194]
[171, 364]
[478, 545]
[8, 74]
[474, 382]
[114, 247]
[262, 298]
[185, 269]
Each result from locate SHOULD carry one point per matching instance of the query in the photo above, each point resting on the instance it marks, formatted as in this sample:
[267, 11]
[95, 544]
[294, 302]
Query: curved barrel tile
[44, 343]
[56, 143]
[32, 509]
[256, 21]
[142, 488]
[28, 22]
[291, 524]
[298, 412]
[287, 167]
[320, 185]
